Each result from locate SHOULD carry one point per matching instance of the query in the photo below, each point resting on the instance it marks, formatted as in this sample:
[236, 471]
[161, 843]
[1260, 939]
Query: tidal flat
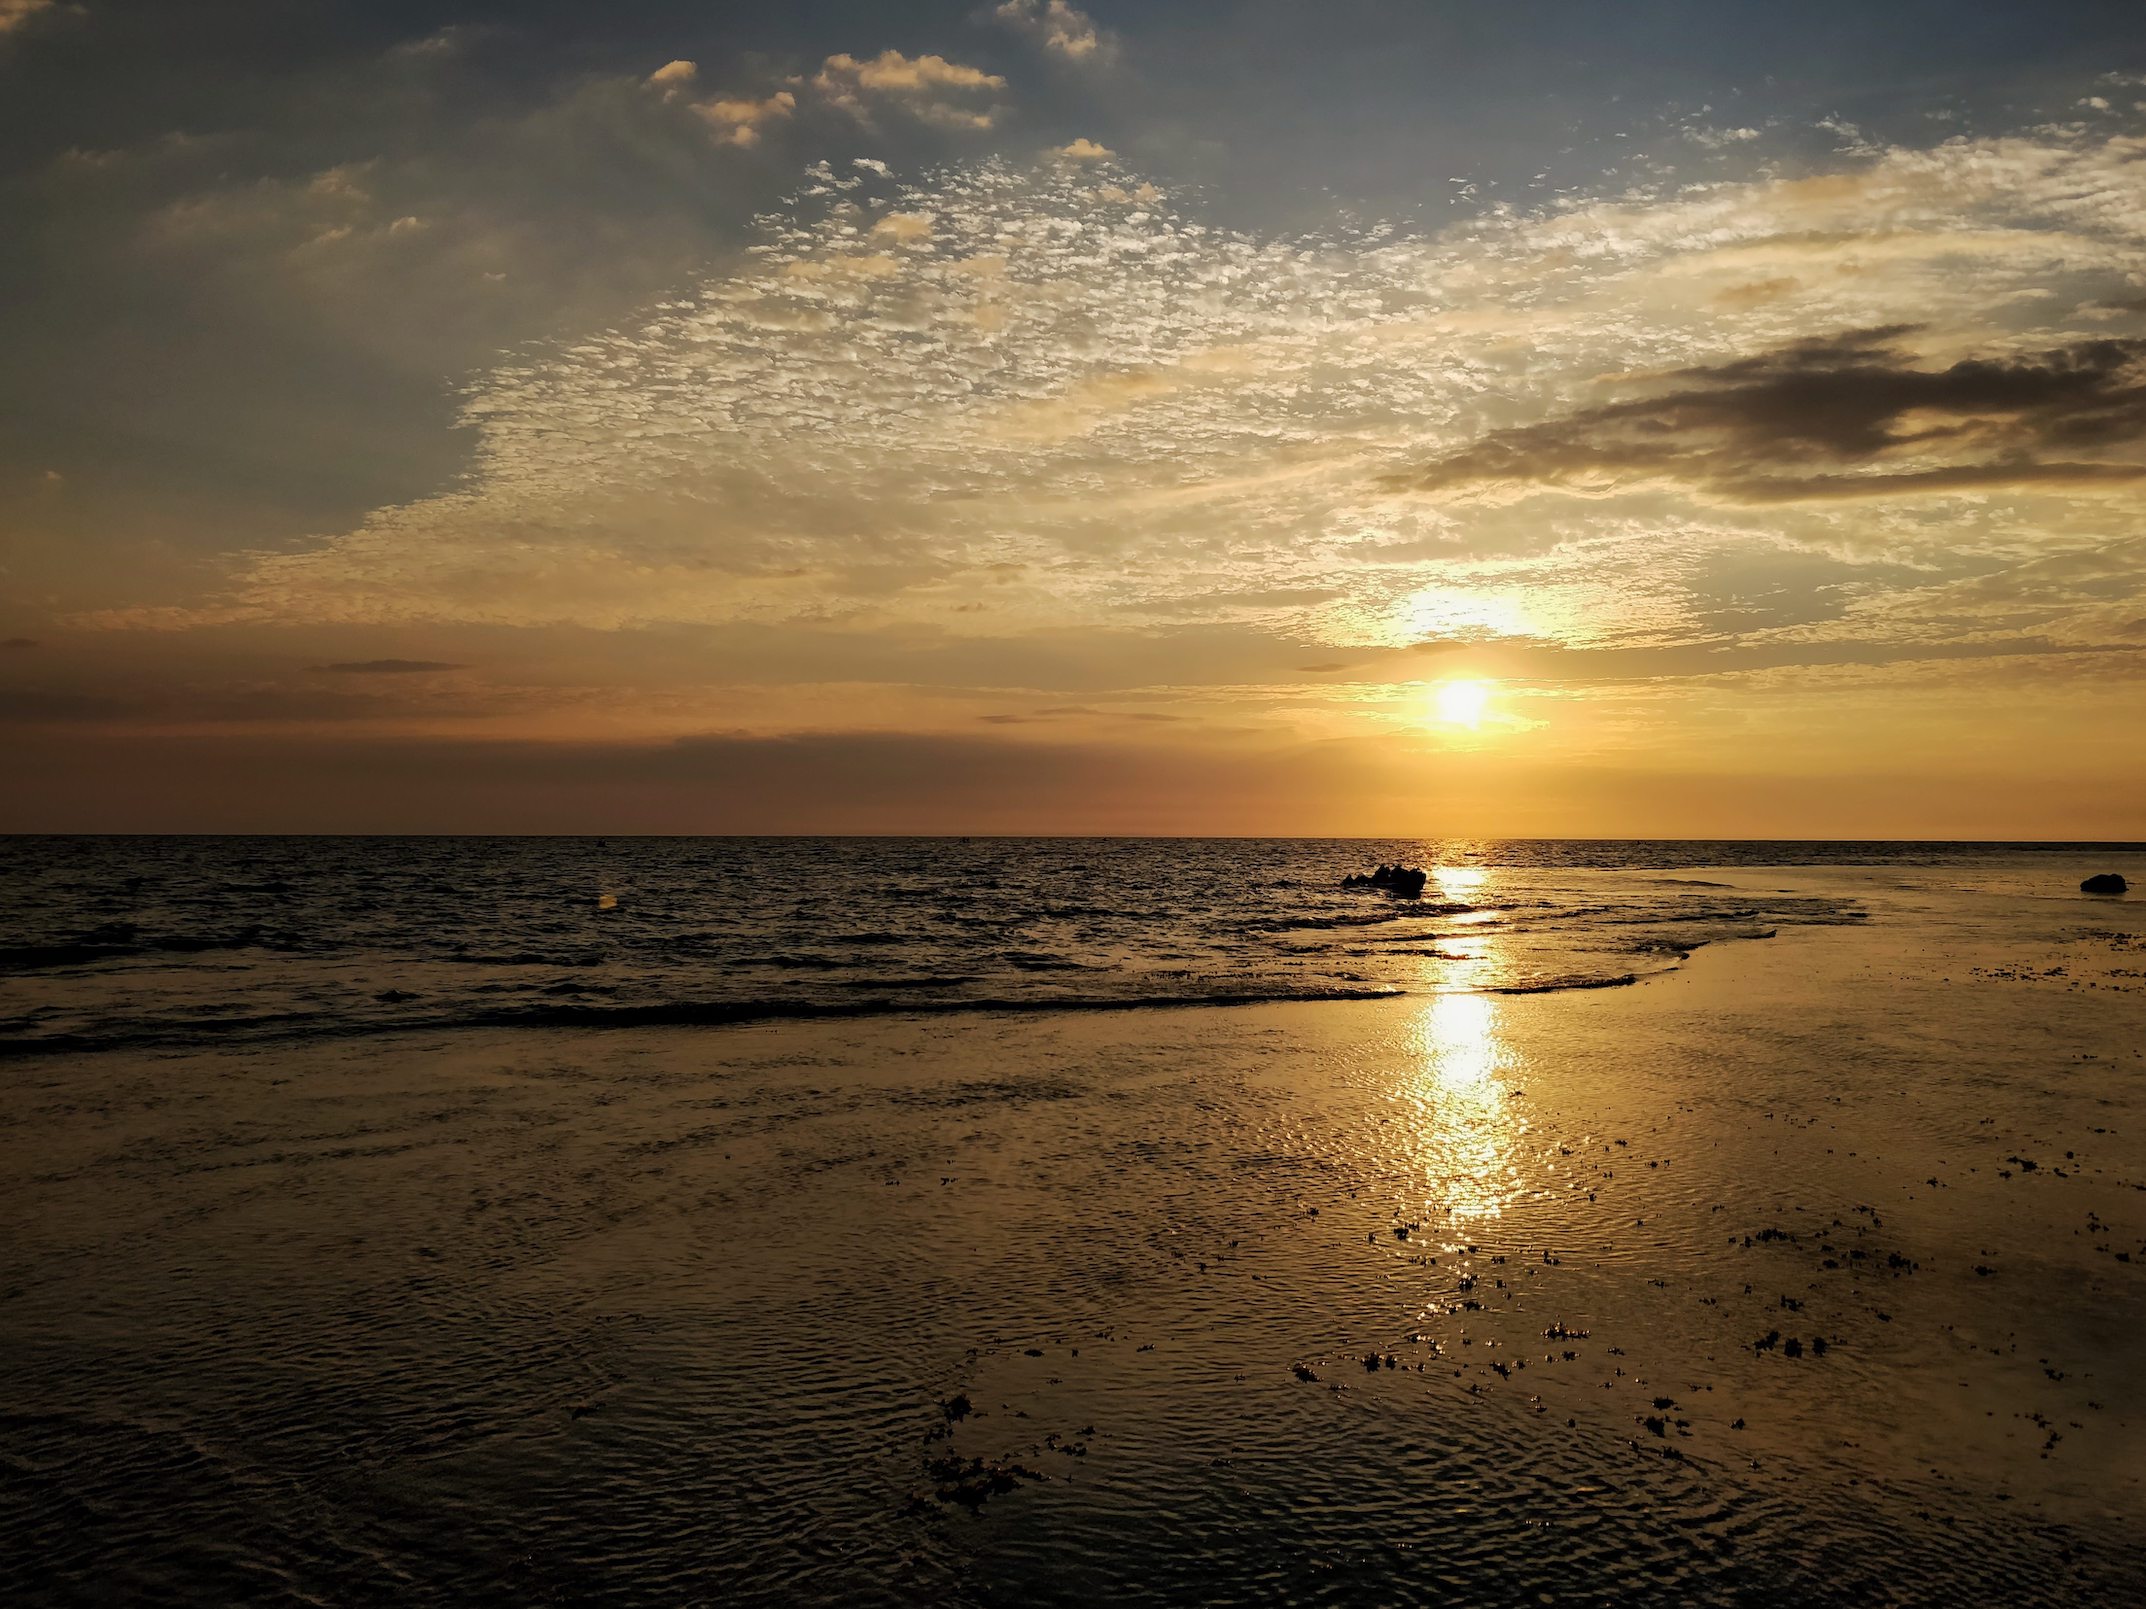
[1812, 1271]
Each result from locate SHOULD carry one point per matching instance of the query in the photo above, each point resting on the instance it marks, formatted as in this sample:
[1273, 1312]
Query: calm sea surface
[106, 942]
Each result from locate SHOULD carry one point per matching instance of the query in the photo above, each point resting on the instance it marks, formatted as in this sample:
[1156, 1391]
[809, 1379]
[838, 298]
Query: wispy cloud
[1061, 28]
[14, 13]
[1007, 402]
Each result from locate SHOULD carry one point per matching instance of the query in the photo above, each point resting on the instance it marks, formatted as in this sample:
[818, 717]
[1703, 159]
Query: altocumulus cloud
[1066, 395]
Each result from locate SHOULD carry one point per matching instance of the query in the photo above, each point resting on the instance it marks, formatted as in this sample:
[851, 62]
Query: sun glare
[1461, 703]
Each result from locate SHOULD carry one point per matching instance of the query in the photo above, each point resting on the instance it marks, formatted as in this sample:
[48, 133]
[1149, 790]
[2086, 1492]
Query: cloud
[838, 782]
[1062, 29]
[736, 119]
[928, 88]
[33, 706]
[18, 642]
[1841, 416]
[739, 122]
[118, 704]
[389, 667]
[673, 77]
[1060, 712]
[1083, 150]
[443, 43]
[832, 782]
[15, 13]
[549, 206]
[1013, 404]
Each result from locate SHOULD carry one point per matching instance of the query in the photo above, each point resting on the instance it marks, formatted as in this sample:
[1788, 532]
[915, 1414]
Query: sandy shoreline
[656, 1315]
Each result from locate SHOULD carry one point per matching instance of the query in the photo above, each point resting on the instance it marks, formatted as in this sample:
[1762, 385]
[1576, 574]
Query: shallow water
[174, 942]
[670, 1315]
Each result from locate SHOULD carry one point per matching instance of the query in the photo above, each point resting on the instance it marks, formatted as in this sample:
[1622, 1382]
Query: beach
[1811, 1269]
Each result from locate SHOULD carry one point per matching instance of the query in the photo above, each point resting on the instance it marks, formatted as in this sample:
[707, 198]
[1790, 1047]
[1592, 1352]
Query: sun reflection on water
[1469, 952]
[1459, 883]
[1467, 1130]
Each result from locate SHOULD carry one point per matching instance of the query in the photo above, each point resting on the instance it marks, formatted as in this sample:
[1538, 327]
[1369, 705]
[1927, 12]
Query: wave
[1400, 912]
[1557, 985]
[41, 957]
[122, 941]
[523, 958]
[1036, 961]
[927, 981]
[685, 1013]
[653, 1014]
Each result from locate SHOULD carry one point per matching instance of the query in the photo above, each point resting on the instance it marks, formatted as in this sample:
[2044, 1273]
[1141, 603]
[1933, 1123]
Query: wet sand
[1814, 1271]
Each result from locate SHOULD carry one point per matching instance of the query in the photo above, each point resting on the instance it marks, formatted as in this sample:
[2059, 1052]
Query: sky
[1519, 419]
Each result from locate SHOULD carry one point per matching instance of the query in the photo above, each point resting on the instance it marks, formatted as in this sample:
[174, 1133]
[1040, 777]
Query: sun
[1462, 703]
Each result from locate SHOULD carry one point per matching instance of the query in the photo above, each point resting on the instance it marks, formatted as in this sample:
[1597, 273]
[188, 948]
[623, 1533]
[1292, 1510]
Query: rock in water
[2104, 883]
[1405, 881]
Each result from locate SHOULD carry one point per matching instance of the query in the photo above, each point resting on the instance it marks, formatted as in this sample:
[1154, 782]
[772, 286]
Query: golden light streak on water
[1467, 1130]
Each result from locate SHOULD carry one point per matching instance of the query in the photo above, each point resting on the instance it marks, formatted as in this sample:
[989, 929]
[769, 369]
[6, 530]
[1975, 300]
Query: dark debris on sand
[973, 1482]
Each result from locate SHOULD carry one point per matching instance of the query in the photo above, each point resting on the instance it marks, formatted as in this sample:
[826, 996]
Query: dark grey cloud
[1057, 712]
[1839, 416]
[112, 700]
[832, 782]
[390, 667]
[18, 642]
[892, 783]
[249, 259]
[32, 706]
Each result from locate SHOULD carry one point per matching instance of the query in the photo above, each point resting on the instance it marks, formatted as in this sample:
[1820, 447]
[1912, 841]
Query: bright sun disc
[1462, 703]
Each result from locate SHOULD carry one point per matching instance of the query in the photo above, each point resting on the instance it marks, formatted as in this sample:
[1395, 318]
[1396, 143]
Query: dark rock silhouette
[1406, 881]
[2104, 883]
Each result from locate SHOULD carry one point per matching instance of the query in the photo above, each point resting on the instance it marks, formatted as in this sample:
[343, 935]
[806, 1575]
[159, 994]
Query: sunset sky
[1524, 419]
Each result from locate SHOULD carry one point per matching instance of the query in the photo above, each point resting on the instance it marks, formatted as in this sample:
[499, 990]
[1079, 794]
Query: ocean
[178, 942]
